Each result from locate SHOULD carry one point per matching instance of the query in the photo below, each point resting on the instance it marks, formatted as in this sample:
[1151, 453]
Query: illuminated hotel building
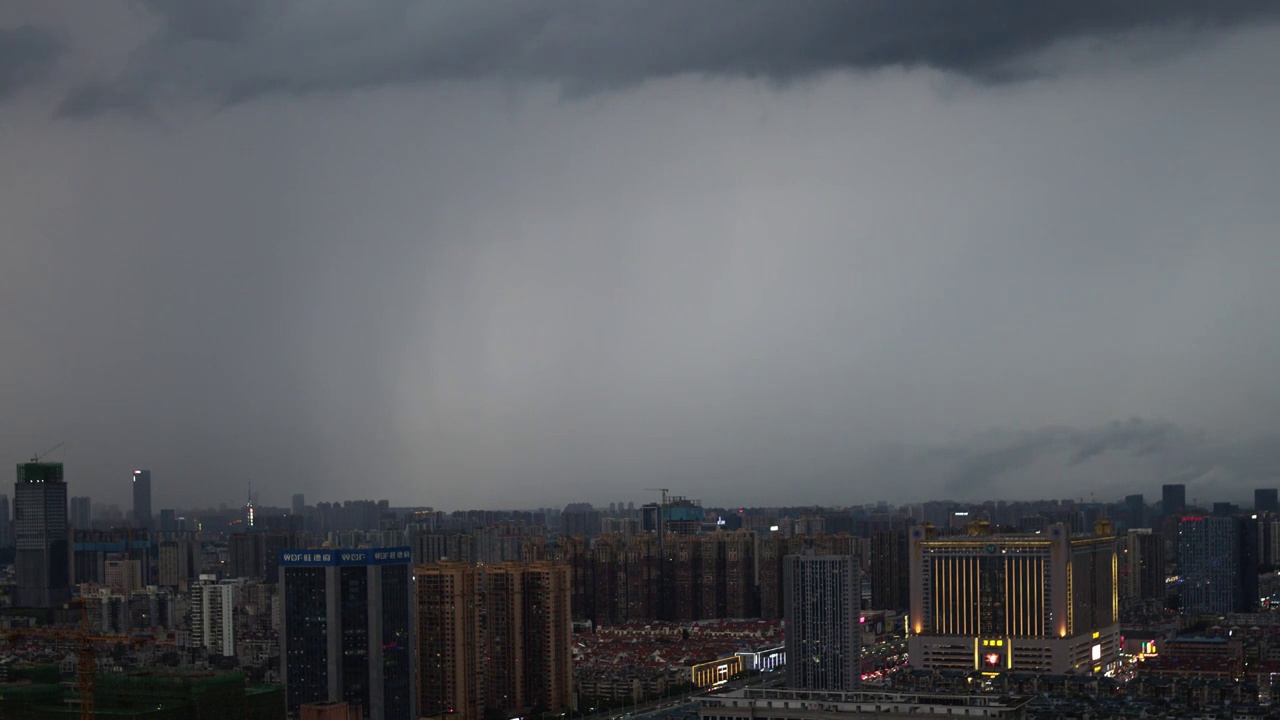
[1043, 602]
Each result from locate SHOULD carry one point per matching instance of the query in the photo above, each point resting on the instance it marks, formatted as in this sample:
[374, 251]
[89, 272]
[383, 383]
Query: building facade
[79, 513]
[449, 671]
[1142, 571]
[213, 621]
[1218, 565]
[545, 657]
[1173, 499]
[890, 581]
[347, 630]
[142, 516]
[1043, 602]
[42, 536]
[1266, 500]
[822, 604]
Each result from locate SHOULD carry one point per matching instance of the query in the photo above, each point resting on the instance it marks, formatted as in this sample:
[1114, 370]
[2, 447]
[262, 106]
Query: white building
[213, 604]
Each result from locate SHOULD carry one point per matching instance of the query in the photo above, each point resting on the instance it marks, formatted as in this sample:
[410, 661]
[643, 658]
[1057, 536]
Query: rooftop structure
[820, 705]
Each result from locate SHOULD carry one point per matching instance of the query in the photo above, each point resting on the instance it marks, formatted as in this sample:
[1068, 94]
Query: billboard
[716, 671]
[325, 557]
[764, 660]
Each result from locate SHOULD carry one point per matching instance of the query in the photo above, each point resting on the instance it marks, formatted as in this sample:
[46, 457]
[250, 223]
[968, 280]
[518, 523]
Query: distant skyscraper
[1218, 563]
[346, 631]
[168, 520]
[822, 602]
[43, 558]
[142, 499]
[1266, 500]
[1137, 507]
[79, 514]
[890, 576]
[6, 523]
[299, 504]
[1173, 499]
[1225, 508]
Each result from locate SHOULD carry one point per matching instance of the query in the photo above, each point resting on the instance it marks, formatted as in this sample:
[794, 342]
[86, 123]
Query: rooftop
[993, 705]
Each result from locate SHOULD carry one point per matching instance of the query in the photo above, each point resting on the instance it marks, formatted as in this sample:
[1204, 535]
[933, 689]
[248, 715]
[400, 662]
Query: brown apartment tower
[529, 636]
[449, 660]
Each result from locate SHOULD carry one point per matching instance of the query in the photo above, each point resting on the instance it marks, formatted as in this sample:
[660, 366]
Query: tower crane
[664, 492]
[86, 655]
[40, 456]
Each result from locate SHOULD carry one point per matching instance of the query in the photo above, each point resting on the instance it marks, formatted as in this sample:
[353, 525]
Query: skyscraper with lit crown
[142, 516]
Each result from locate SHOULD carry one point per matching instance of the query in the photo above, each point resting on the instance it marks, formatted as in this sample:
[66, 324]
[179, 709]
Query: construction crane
[86, 655]
[40, 456]
[664, 492]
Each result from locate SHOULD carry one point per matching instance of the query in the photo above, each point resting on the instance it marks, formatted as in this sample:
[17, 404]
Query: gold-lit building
[1040, 602]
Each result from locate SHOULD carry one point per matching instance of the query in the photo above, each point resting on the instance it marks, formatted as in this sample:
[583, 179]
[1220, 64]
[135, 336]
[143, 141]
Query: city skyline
[1243, 500]
[559, 250]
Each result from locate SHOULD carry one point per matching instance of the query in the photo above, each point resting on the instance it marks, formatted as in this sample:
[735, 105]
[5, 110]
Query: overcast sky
[515, 254]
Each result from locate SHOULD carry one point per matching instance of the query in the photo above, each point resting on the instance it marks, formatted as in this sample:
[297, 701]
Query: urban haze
[519, 254]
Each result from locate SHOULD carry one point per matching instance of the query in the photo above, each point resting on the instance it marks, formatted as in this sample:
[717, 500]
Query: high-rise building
[168, 520]
[528, 638]
[43, 554]
[6, 523]
[1218, 565]
[299, 504]
[823, 601]
[346, 630]
[244, 555]
[580, 519]
[1137, 507]
[449, 674]
[142, 499]
[1266, 500]
[213, 604]
[773, 552]
[176, 558]
[91, 549]
[1141, 568]
[1041, 602]
[1173, 499]
[124, 575]
[1267, 528]
[890, 580]
[78, 514]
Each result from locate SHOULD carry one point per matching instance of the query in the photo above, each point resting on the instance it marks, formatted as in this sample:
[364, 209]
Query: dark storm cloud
[238, 50]
[1000, 461]
[26, 54]
[458, 295]
[984, 463]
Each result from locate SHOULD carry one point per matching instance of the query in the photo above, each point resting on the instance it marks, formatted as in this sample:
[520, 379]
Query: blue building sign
[324, 557]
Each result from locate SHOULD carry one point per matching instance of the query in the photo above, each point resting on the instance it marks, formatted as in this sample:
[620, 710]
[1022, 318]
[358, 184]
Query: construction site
[37, 693]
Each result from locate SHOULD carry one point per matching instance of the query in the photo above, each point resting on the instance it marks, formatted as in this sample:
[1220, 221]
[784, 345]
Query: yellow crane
[86, 655]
